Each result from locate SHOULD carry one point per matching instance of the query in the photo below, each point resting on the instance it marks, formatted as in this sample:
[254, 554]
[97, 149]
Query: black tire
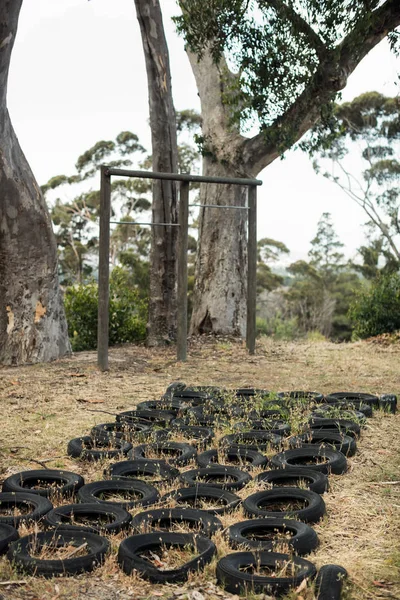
[303, 538]
[388, 403]
[158, 405]
[245, 458]
[329, 582]
[199, 437]
[257, 504]
[302, 395]
[37, 506]
[347, 427]
[234, 576]
[193, 496]
[8, 534]
[174, 453]
[354, 396]
[163, 519]
[343, 411]
[132, 547]
[19, 553]
[161, 418]
[129, 469]
[346, 406]
[107, 518]
[268, 413]
[175, 386]
[214, 473]
[142, 493]
[86, 448]
[257, 440]
[66, 483]
[272, 426]
[250, 392]
[121, 431]
[335, 462]
[333, 438]
[314, 480]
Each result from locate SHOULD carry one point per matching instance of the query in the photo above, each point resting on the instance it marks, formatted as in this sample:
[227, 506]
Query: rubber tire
[231, 501]
[356, 406]
[388, 403]
[185, 452]
[152, 417]
[348, 427]
[333, 438]
[40, 505]
[312, 513]
[58, 517]
[81, 448]
[329, 582]
[162, 519]
[90, 492]
[199, 437]
[250, 458]
[19, 555]
[111, 431]
[162, 405]
[257, 440]
[237, 581]
[131, 547]
[19, 482]
[316, 397]
[342, 412]
[8, 534]
[318, 482]
[213, 472]
[303, 541]
[277, 427]
[350, 396]
[132, 469]
[336, 464]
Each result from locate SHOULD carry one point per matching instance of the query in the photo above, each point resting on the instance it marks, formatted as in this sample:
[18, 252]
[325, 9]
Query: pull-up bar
[183, 224]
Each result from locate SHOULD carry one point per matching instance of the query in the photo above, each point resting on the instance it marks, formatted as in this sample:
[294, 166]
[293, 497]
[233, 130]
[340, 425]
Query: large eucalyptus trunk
[32, 320]
[163, 272]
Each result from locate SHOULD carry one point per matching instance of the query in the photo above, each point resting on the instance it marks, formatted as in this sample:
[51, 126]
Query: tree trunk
[163, 272]
[32, 319]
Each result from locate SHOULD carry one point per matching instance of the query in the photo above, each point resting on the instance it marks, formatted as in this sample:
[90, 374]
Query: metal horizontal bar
[152, 224]
[181, 177]
[220, 206]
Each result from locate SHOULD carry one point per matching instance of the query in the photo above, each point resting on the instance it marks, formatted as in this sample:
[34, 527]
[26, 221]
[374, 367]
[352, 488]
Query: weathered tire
[245, 458]
[225, 501]
[133, 469]
[302, 395]
[61, 518]
[214, 473]
[109, 431]
[86, 448]
[329, 582]
[335, 462]
[142, 493]
[314, 480]
[331, 438]
[257, 504]
[303, 538]
[164, 518]
[354, 397]
[67, 483]
[38, 506]
[343, 425]
[8, 534]
[174, 453]
[257, 440]
[153, 417]
[132, 547]
[388, 403]
[277, 427]
[234, 576]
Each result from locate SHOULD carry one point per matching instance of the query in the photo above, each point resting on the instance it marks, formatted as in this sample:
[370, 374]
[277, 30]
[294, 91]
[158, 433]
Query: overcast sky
[77, 76]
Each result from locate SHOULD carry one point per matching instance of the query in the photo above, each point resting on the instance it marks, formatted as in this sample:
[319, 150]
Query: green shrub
[376, 309]
[278, 327]
[127, 313]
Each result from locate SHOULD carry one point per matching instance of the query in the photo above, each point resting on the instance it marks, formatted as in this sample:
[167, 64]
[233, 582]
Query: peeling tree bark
[32, 319]
[163, 271]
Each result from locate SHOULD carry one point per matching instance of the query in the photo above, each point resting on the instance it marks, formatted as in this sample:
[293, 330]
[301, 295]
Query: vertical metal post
[104, 269]
[251, 269]
[182, 325]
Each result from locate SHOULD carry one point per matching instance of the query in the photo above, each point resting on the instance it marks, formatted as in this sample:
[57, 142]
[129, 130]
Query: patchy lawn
[43, 406]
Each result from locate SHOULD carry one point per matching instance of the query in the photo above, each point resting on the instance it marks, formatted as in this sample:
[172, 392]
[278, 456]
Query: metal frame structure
[104, 252]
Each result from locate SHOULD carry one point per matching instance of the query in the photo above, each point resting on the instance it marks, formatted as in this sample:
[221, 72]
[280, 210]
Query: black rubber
[174, 453]
[164, 518]
[129, 469]
[245, 458]
[196, 436]
[356, 406]
[130, 432]
[175, 386]
[8, 534]
[212, 476]
[292, 476]
[86, 448]
[329, 582]
[235, 576]
[348, 427]
[96, 546]
[272, 426]
[354, 396]
[37, 506]
[160, 418]
[139, 492]
[250, 392]
[105, 518]
[257, 440]
[335, 462]
[259, 534]
[192, 497]
[130, 559]
[302, 395]
[65, 482]
[257, 504]
[158, 405]
[344, 411]
[388, 403]
[333, 438]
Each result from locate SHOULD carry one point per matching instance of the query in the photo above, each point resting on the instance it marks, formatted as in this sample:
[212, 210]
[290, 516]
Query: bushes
[376, 310]
[127, 312]
[279, 327]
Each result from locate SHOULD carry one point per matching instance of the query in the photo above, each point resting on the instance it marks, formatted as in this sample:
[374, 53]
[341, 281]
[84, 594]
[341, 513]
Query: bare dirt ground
[44, 406]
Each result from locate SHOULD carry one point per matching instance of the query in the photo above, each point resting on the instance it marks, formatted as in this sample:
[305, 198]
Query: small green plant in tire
[127, 313]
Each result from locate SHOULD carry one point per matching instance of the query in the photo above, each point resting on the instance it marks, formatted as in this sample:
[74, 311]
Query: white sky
[77, 76]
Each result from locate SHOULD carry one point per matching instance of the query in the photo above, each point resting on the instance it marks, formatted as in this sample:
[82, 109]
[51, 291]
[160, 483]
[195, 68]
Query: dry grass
[43, 406]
